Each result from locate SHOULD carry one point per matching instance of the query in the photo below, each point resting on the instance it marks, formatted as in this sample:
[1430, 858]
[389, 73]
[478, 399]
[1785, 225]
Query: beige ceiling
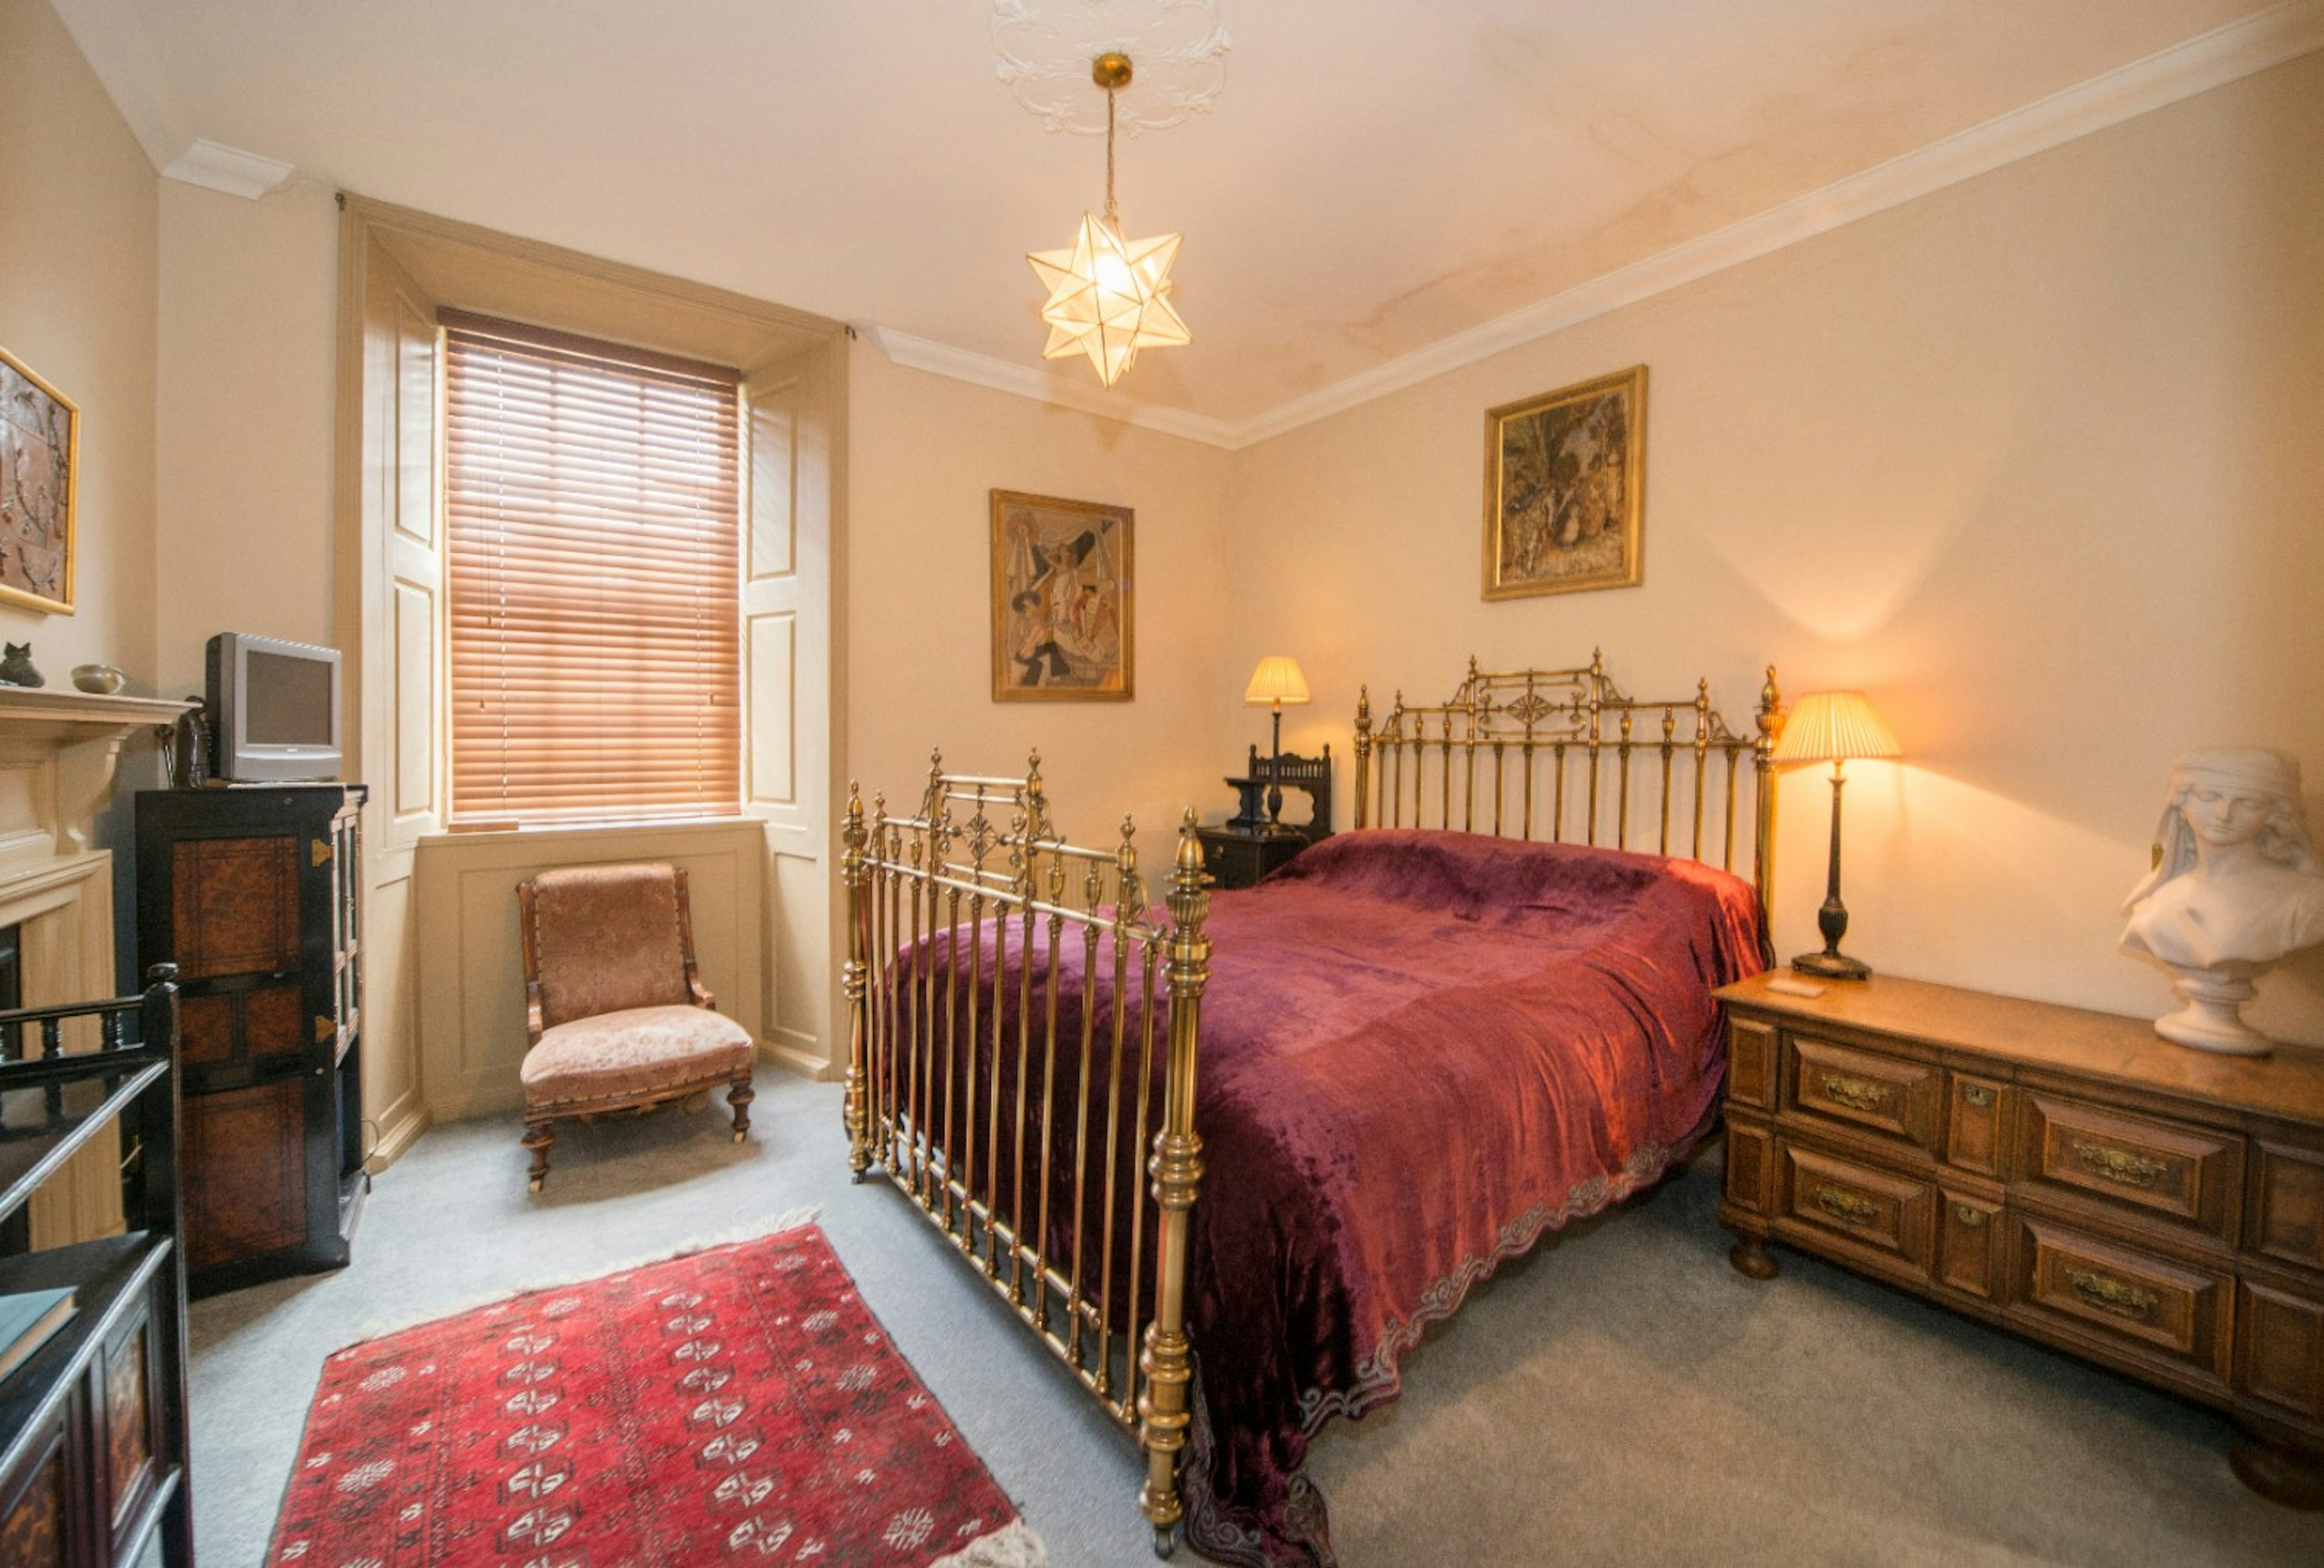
[1377, 175]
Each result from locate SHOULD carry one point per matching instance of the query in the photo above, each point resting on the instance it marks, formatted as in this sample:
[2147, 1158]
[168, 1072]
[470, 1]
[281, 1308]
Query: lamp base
[1832, 966]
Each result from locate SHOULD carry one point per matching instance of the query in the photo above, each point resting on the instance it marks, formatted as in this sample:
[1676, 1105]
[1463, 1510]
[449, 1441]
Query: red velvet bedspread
[1420, 1051]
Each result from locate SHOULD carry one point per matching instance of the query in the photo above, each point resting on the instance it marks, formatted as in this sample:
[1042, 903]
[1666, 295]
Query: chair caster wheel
[1165, 1542]
[534, 1183]
[741, 1137]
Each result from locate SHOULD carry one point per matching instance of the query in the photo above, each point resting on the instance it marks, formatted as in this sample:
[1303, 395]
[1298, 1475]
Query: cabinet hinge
[318, 852]
[326, 1029]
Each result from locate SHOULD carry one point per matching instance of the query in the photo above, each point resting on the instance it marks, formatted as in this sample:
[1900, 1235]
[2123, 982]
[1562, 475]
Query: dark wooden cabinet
[1237, 859]
[92, 1433]
[2061, 1173]
[252, 893]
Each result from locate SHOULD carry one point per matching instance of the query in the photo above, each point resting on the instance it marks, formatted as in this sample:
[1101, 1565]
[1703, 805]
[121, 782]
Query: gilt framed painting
[40, 478]
[1565, 489]
[1062, 593]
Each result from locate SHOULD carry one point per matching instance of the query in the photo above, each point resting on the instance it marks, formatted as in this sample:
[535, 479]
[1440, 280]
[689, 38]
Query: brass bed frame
[980, 861]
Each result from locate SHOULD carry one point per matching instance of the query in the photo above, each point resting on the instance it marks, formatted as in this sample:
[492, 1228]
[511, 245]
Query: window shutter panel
[592, 513]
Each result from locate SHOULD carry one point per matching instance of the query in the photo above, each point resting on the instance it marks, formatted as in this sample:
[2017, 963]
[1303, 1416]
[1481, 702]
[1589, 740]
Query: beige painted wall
[246, 427]
[78, 260]
[926, 454]
[2036, 460]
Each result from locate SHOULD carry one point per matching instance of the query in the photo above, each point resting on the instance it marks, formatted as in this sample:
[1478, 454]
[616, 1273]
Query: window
[591, 508]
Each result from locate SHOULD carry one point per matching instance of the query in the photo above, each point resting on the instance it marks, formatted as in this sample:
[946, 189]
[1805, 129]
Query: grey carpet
[1620, 1396]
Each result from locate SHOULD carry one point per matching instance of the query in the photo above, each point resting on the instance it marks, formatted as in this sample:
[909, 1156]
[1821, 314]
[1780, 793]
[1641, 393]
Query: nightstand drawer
[2182, 1173]
[1868, 1208]
[2149, 1308]
[1885, 1094]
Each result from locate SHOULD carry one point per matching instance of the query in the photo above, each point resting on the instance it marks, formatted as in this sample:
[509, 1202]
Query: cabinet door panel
[34, 1521]
[235, 905]
[128, 1421]
[245, 1175]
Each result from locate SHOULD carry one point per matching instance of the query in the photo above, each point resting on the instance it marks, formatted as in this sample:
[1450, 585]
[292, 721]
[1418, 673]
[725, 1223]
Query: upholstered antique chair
[616, 1016]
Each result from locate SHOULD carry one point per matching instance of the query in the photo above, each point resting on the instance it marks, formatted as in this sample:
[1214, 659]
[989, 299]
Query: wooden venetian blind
[592, 505]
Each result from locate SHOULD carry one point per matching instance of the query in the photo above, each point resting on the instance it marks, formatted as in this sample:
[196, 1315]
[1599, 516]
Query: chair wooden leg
[537, 1137]
[739, 1097]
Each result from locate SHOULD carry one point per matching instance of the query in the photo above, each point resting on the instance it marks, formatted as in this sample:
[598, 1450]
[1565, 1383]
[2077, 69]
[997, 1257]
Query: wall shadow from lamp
[1833, 726]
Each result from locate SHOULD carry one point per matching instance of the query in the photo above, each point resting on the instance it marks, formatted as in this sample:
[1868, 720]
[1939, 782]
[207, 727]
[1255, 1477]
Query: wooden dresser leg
[1750, 1256]
[2279, 1473]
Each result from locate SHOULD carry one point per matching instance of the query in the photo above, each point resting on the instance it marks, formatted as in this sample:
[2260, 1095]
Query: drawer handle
[1847, 1207]
[2108, 1293]
[1977, 1095]
[2122, 1167]
[1862, 1093]
[1970, 1218]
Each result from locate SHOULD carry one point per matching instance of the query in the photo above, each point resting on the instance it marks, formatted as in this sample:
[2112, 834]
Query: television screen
[289, 700]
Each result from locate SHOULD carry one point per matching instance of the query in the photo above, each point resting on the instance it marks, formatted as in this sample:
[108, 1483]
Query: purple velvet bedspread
[1418, 1052]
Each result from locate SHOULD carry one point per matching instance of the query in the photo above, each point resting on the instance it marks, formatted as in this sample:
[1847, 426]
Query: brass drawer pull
[1861, 1093]
[1970, 1218]
[1847, 1207]
[2108, 1293]
[2120, 1166]
[1977, 1095]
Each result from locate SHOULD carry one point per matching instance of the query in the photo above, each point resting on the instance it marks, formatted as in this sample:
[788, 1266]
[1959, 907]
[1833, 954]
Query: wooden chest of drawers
[2064, 1174]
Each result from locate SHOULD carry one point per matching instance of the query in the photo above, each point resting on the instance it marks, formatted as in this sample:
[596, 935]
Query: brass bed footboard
[1013, 1008]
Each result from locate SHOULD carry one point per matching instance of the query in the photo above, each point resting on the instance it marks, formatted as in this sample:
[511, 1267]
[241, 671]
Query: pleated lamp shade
[1829, 726]
[1276, 680]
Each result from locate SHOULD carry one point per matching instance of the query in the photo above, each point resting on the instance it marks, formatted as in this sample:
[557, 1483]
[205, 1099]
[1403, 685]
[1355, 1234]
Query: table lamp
[1831, 726]
[1276, 680]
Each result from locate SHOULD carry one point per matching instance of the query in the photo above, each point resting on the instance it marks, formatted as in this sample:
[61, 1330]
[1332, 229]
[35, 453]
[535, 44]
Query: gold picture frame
[1063, 600]
[1565, 478]
[40, 489]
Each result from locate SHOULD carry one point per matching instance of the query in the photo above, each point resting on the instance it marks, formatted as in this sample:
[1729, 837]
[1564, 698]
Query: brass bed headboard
[1500, 723]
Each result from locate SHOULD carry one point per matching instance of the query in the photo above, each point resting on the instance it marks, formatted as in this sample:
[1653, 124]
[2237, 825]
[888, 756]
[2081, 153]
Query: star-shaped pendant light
[1108, 296]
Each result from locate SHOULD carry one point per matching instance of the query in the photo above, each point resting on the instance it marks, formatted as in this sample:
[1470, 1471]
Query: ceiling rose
[1045, 48]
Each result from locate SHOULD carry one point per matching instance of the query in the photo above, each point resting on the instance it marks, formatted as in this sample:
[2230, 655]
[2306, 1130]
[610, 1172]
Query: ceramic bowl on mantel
[102, 680]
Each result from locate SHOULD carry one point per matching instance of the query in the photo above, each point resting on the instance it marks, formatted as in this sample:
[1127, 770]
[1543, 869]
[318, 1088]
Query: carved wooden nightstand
[1237, 859]
[2064, 1174]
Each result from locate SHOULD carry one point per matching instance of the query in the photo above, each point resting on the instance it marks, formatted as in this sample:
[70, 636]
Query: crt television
[274, 709]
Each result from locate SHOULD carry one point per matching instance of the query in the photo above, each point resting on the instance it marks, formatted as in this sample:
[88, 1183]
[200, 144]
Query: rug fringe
[379, 1328]
[1013, 1545]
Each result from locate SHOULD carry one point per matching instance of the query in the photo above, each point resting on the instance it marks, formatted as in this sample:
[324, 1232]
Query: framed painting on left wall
[40, 477]
[1062, 600]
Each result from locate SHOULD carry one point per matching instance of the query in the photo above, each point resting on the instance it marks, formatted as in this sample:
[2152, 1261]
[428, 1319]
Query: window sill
[582, 831]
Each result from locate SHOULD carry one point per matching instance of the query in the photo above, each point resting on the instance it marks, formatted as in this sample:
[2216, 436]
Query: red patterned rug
[739, 1405]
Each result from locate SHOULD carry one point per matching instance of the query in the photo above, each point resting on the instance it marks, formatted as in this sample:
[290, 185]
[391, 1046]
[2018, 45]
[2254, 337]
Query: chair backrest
[598, 939]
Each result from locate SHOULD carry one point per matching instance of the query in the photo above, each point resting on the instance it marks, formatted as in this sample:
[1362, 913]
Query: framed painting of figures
[1062, 600]
[40, 474]
[1564, 489]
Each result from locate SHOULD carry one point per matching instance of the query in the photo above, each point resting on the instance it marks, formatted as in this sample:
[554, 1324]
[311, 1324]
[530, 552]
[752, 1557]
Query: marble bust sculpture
[2237, 885]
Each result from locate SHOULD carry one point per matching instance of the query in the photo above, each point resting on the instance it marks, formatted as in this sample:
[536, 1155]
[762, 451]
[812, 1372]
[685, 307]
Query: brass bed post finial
[855, 872]
[1176, 1168]
[1769, 717]
[1363, 751]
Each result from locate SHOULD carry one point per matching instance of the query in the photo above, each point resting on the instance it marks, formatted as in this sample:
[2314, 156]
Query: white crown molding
[1025, 381]
[214, 166]
[2210, 60]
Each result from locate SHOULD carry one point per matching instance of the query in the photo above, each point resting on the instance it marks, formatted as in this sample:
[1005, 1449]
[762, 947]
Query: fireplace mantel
[57, 753]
